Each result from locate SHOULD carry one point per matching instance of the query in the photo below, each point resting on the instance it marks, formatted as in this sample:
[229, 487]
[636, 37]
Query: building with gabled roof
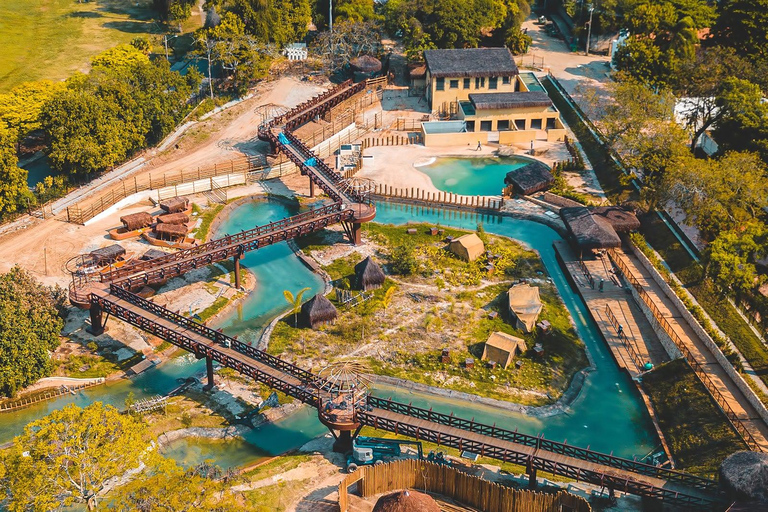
[501, 348]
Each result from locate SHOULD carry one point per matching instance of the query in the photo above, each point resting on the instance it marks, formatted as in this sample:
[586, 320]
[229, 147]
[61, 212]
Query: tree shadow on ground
[132, 27]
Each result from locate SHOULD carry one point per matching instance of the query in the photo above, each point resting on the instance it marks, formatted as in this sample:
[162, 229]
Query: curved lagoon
[480, 176]
[607, 416]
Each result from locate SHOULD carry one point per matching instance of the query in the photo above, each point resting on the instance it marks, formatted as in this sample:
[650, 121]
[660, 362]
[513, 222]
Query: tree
[743, 123]
[354, 10]
[13, 179]
[404, 260]
[176, 490]
[386, 299]
[348, 40]
[20, 108]
[179, 11]
[743, 26]
[273, 21]
[121, 56]
[30, 323]
[731, 255]
[71, 455]
[518, 42]
[295, 302]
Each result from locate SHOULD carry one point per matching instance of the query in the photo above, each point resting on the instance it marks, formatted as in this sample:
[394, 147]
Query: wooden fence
[698, 369]
[406, 125]
[393, 140]
[415, 195]
[20, 403]
[444, 480]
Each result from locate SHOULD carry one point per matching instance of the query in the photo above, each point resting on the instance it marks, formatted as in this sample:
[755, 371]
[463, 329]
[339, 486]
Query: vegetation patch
[698, 433]
[207, 216]
[87, 366]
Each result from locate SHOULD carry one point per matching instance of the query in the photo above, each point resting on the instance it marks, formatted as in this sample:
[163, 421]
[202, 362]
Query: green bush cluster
[578, 160]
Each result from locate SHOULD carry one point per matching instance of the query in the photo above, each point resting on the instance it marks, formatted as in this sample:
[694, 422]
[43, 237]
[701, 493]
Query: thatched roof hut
[175, 204]
[502, 348]
[621, 219]
[173, 218]
[744, 475]
[152, 254]
[136, 220]
[172, 231]
[468, 247]
[470, 62]
[366, 64]
[318, 311]
[368, 274]
[406, 501]
[530, 178]
[588, 231]
[108, 254]
[525, 305]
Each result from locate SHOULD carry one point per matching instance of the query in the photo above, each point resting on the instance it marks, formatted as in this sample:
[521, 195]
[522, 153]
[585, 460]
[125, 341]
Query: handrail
[624, 339]
[698, 370]
[539, 442]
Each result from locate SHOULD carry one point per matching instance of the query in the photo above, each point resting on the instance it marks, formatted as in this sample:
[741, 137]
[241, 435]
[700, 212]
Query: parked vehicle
[372, 450]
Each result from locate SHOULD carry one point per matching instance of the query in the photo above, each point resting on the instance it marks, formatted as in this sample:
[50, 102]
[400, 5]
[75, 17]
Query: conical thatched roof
[622, 220]
[136, 220]
[366, 64]
[317, 311]
[173, 218]
[745, 476]
[406, 501]
[368, 274]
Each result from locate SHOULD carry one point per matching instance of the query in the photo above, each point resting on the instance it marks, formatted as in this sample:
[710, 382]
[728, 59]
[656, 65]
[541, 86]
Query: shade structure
[508, 100]
[406, 501]
[530, 178]
[318, 311]
[525, 305]
[173, 218]
[136, 221]
[468, 247]
[107, 255]
[744, 475]
[175, 204]
[621, 219]
[588, 231]
[470, 62]
[366, 64]
[152, 254]
[171, 230]
[502, 348]
[368, 274]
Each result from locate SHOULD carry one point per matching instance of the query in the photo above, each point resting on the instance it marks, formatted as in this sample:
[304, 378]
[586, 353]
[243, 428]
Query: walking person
[620, 330]
[479, 146]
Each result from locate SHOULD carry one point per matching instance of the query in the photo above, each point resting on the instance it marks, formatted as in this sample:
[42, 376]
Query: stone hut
[368, 275]
[406, 501]
[318, 311]
[501, 348]
[468, 247]
[136, 221]
[524, 305]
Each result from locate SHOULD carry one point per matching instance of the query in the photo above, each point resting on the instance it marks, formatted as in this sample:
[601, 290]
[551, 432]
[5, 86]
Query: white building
[296, 51]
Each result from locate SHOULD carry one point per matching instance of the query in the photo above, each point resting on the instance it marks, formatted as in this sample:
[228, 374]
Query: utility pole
[589, 30]
[330, 15]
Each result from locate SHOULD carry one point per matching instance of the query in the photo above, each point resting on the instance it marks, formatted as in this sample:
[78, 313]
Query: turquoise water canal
[607, 416]
[471, 176]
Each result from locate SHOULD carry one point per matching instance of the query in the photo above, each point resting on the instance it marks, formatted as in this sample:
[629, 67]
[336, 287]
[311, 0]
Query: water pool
[481, 176]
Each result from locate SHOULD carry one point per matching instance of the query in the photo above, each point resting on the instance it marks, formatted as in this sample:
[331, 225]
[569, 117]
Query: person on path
[601, 284]
[620, 330]
[479, 146]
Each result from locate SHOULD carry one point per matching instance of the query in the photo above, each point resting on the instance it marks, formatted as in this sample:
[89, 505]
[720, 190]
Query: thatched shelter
[620, 219]
[366, 64]
[171, 231]
[468, 247]
[152, 254]
[368, 275]
[318, 311]
[175, 205]
[509, 100]
[136, 221]
[406, 501]
[744, 475]
[530, 178]
[108, 254]
[173, 218]
[524, 305]
[470, 62]
[501, 348]
[587, 231]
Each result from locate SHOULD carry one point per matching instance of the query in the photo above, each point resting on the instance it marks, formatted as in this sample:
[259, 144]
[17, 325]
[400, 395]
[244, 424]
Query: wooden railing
[622, 335]
[393, 140]
[414, 195]
[20, 403]
[698, 369]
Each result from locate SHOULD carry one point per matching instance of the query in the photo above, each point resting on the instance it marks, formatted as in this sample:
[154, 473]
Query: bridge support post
[356, 240]
[97, 323]
[311, 188]
[343, 443]
[236, 261]
[532, 482]
[209, 371]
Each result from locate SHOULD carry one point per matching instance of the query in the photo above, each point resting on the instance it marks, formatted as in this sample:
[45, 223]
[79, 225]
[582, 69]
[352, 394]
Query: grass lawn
[698, 433]
[714, 303]
[53, 39]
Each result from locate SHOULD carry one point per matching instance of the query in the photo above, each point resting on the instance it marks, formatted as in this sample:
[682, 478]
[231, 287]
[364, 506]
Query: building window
[485, 126]
[520, 124]
[466, 83]
[454, 84]
[502, 125]
[480, 82]
[470, 126]
[551, 125]
[505, 80]
[439, 84]
[535, 124]
[493, 82]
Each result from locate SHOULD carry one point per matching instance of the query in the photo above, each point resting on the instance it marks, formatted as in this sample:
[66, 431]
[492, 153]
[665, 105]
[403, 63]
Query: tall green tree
[743, 122]
[273, 21]
[730, 257]
[20, 107]
[70, 456]
[743, 26]
[13, 179]
[30, 324]
[295, 302]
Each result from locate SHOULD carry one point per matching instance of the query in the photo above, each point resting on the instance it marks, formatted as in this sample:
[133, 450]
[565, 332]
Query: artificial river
[607, 416]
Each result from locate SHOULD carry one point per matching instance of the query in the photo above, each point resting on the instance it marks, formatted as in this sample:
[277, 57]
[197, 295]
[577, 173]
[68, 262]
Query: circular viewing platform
[363, 212]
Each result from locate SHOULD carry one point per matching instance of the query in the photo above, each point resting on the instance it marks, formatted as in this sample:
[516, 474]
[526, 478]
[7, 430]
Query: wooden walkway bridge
[111, 293]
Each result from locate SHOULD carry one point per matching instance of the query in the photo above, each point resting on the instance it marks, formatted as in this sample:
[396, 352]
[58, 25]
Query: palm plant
[295, 302]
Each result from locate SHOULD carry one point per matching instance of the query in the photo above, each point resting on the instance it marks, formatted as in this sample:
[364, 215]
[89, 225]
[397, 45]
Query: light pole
[589, 30]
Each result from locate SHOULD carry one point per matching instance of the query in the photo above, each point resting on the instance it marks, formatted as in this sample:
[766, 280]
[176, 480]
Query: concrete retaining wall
[702, 334]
